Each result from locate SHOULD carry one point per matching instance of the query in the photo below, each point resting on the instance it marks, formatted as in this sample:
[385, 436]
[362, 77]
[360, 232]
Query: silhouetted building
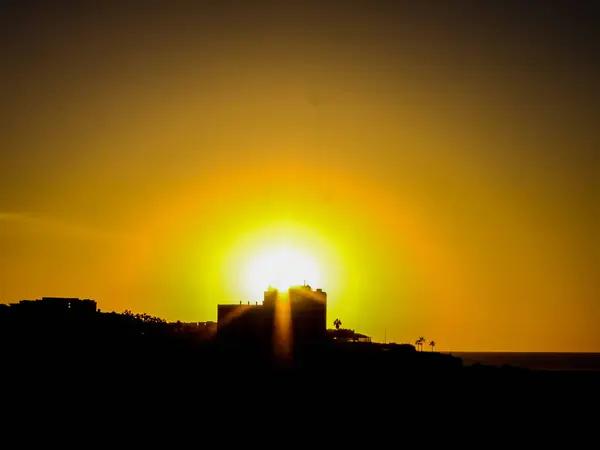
[51, 321]
[54, 306]
[201, 330]
[301, 312]
[344, 335]
[209, 327]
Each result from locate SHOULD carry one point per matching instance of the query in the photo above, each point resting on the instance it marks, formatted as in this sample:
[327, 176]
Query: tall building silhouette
[300, 313]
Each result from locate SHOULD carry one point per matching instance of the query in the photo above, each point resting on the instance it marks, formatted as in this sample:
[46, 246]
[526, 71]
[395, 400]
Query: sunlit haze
[434, 169]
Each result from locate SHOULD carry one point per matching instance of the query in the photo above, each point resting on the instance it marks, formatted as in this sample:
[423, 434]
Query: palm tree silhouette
[337, 323]
[419, 343]
[432, 344]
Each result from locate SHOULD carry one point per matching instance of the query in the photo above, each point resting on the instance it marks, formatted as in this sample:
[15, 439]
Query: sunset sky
[435, 168]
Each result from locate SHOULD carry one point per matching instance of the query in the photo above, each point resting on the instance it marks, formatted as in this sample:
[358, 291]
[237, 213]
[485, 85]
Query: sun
[279, 254]
[280, 267]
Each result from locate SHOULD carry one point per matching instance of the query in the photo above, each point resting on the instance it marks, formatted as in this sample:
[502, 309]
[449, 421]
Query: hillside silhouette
[66, 333]
[68, 347]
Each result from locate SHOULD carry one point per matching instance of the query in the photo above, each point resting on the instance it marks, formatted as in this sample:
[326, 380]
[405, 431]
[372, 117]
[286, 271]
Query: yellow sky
[442, 173]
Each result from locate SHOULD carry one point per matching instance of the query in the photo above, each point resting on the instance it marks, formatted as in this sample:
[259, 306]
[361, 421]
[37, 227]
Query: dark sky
[456, 143]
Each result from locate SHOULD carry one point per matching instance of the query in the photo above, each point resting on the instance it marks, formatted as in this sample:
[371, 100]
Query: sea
[537, 361]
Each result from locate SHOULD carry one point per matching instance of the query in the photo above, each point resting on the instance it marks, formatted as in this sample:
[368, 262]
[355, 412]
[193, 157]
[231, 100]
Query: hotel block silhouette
[300, 314]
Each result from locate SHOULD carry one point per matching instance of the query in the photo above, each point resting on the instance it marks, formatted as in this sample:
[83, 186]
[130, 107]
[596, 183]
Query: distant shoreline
[548, 361]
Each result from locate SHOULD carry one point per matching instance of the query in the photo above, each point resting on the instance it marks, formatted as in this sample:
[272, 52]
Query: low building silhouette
[201, 330]
[300, 311]
[51, 323]
[53, 306]
[344, 335]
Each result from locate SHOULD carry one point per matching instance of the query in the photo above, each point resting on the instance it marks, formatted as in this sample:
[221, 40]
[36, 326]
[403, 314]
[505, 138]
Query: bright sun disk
[281, 267]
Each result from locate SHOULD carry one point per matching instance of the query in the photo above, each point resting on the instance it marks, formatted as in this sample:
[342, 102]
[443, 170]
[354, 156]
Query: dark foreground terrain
[119, 365]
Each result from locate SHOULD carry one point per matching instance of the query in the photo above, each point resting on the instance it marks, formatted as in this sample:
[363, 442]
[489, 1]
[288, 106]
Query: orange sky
[439, 164]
